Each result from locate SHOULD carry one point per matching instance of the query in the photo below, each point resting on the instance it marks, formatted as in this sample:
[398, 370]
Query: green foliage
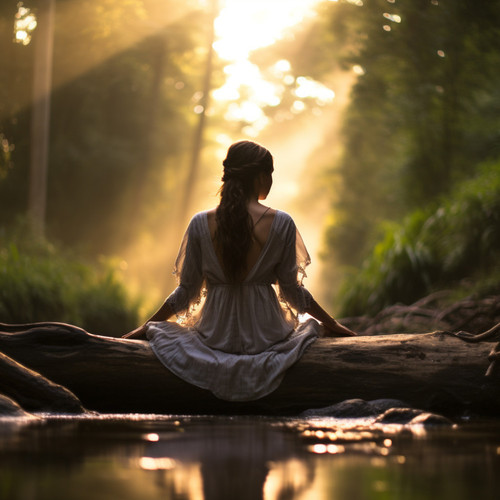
[124, 77]
[40, 283]
[424, 108]
[455, 241]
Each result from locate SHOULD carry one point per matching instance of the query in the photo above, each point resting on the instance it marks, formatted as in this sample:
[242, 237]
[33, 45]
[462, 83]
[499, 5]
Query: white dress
[236, 340]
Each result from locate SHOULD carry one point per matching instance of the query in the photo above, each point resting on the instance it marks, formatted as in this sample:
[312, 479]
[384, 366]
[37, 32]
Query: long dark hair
[233, 235]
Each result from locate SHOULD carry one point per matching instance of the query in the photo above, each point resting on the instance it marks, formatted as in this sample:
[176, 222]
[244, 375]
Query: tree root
[432, 313]
[491, 335]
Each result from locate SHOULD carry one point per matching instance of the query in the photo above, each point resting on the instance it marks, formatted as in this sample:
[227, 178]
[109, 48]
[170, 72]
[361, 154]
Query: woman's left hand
[335, 329]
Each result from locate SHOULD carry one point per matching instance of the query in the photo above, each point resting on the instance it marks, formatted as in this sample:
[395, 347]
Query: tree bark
[431, 371]
[34, 392]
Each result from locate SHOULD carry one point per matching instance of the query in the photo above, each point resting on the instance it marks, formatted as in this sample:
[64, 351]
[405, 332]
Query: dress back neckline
[255, 265]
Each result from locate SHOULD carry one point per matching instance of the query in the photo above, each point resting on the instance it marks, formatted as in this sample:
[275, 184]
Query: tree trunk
[40, 126]
[431, 371]
[192, 173]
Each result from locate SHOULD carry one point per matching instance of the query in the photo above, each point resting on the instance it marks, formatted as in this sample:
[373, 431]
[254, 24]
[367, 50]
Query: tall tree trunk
[40, 122]
[198, 135]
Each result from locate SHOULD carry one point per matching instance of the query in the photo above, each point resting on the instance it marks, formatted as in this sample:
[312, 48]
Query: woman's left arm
[294, 254]
[333, 328]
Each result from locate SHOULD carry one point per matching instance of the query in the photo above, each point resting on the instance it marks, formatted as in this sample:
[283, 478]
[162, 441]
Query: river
[206, 458]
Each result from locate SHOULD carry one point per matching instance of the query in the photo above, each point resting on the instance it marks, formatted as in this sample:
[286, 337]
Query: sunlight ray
[123, 35]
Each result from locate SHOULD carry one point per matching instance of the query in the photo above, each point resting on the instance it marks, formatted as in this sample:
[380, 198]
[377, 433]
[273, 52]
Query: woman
[237, 338]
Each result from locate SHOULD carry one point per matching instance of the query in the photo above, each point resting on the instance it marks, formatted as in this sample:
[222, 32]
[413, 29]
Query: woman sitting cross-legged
[235, 335]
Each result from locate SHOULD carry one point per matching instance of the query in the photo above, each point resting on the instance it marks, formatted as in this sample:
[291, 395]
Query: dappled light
[110, 27]
[365, 125]
[383, 120]
[24, 24]
[243, 27]
[392, 17]
[252, 98]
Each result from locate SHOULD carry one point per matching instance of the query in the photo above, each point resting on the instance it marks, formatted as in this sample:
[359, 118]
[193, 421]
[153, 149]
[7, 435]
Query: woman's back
[243, 339]
[262, 221]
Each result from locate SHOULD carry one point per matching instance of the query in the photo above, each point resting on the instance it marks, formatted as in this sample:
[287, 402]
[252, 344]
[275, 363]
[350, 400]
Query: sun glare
[243, 26]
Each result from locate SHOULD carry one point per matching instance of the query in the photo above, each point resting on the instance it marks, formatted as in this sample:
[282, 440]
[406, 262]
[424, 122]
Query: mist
[146, 96]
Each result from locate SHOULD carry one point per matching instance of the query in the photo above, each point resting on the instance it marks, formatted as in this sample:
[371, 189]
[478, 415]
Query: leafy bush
[433, 248]
[40, 283]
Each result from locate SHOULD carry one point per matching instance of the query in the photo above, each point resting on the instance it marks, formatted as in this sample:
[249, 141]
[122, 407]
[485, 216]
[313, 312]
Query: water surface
[203, 458]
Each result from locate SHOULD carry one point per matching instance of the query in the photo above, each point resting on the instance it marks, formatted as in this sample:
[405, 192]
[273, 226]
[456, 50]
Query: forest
[408, 169]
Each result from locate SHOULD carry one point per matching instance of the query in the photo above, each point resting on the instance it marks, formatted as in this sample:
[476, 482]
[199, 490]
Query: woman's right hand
[138, 333]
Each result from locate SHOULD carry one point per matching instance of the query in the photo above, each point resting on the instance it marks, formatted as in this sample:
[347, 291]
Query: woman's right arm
[188, 269]
[163, 313]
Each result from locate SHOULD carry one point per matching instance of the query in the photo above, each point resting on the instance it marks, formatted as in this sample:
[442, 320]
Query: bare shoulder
[269, 216]
[211, 221]
[262, 224]
[257, 210]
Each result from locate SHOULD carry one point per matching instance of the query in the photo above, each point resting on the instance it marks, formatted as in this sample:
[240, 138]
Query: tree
[40, 122]
[124, 77]
[420, 115]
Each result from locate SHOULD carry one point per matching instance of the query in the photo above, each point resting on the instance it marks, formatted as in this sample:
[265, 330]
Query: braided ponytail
[233, 235]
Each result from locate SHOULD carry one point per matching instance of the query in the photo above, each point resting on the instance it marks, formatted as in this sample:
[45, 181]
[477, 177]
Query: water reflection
[204, 458]
[233, 461]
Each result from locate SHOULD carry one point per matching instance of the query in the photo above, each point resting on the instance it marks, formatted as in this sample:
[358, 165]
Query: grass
[39, 282]
[455, 244]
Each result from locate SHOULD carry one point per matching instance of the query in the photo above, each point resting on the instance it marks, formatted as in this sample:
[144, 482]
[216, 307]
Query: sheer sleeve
[291, 271]
[188, 272]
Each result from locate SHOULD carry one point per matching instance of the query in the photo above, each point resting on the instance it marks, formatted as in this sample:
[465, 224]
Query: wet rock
[354, 408]
[350, 408]
[398, 416]
[9, 408]
[430, 419]
[412, 416]
[382, 405]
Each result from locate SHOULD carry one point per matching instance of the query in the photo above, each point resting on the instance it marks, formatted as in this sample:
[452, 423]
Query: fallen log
[432, 371]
